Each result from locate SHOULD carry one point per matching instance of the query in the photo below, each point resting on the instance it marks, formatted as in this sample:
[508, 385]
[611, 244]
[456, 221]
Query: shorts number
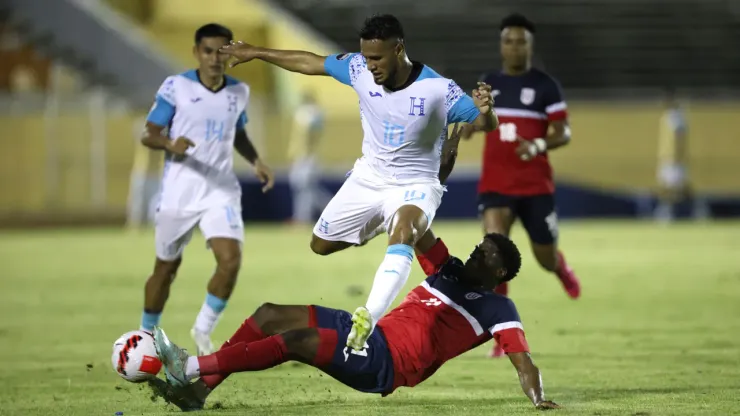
[232, 217]
[361, 353]
[409, 196]
[552, 224]
[507, 132]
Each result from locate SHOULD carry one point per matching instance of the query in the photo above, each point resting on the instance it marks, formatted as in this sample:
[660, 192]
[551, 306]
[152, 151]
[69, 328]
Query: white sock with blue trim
[209, 314]
[389, 279]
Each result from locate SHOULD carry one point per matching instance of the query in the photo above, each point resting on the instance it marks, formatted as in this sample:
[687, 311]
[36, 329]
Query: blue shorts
[537, 213]
[369, 370]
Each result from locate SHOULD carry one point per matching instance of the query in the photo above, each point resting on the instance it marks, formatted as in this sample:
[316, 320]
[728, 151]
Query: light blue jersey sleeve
[163, 109]
[241, 123]
[460, 107]
[337, 66]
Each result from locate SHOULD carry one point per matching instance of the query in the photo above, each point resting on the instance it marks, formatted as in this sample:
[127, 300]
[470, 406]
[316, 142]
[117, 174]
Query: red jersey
[443, 318]
[525, 106]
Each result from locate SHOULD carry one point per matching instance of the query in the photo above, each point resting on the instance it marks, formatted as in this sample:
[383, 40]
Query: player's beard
[390, 79]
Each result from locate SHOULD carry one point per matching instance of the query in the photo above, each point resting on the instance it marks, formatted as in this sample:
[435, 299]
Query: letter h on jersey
[415, 106]
[233, 100]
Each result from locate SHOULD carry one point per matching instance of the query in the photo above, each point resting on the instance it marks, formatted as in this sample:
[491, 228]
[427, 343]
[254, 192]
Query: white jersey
[210, 119]
[403, 129]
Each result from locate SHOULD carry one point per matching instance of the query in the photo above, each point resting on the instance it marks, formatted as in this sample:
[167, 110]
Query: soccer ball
[135, 358]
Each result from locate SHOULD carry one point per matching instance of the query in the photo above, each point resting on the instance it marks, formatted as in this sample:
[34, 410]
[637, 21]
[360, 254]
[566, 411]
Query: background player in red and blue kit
[451, 312]
[516, 180]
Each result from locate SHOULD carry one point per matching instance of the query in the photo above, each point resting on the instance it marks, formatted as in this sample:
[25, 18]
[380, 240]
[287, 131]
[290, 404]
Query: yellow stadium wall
[23, 173]
[613, 147]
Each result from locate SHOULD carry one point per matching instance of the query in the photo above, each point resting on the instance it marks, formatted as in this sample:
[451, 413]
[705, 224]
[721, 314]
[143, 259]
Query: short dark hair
[509, 253]
[213, 30]
[517, 20]
[381, 27]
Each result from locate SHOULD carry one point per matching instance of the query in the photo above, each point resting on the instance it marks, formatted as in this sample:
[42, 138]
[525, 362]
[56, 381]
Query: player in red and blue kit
[517, 180]
[453, 311]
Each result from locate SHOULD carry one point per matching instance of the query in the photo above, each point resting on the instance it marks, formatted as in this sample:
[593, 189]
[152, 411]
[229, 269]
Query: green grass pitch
[656, 331]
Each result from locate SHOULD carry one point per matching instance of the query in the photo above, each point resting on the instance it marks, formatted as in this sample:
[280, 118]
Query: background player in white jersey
[674, 185]
[405, 108]
[198, 118]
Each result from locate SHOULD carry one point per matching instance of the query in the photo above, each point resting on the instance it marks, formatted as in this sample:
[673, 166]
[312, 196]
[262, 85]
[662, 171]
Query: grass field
[655, 333]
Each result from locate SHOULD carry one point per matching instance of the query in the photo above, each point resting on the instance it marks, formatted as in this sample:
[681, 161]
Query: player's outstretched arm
[531, 380]
[303, 62]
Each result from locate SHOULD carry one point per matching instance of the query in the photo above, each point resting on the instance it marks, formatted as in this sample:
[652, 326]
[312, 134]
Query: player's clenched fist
[179, 146]
[243, 52]
[482, 97]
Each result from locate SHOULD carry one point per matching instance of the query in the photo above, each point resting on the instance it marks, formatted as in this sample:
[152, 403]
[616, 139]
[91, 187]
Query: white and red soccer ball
[135, 358]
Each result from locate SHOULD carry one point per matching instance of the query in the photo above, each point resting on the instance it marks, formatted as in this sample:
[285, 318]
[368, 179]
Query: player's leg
[431, 252]
[300, 185]
[347, 219]
[157, 290]
[269, 319]
[498, 213]
[171, 234]
[700, 209]
[669, 182]
[540, 220]
[223, 229]
[409, 212]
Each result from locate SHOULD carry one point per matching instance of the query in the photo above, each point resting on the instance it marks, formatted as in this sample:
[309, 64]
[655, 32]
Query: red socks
[263, 354]
[328, 339]
[250, 350]
[248, 332]
[435, 258]
[255, 356]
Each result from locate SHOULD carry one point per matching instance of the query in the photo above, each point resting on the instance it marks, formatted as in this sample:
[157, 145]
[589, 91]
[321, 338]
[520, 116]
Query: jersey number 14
[214, 130]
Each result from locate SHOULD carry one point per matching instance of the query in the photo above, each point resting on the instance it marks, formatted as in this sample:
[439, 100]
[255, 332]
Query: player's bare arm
[303, 62]
[449, 153]
[483, 99]
[152, 138]
[531, 380]
[246, 149]
[558, 136]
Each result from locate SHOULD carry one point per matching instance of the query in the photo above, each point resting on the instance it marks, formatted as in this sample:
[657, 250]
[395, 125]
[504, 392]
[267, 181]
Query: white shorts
[363, 207]
[173, 229]
[672, 175]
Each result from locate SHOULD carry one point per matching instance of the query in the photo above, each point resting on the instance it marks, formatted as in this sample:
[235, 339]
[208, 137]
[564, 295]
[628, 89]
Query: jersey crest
[527, 96]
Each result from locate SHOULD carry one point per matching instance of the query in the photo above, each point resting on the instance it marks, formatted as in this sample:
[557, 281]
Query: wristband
[540, 144]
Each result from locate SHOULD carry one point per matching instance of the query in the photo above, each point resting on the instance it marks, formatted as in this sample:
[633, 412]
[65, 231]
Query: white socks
[389, 279]
[192, 369]
[209, 314]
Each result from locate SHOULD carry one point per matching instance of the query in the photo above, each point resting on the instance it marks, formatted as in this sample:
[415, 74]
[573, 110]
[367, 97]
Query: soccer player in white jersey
[198, 118]
[405, 108]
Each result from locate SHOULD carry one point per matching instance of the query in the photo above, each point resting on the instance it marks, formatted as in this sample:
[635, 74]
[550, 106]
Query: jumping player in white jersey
[405, 108]
[198, 118]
